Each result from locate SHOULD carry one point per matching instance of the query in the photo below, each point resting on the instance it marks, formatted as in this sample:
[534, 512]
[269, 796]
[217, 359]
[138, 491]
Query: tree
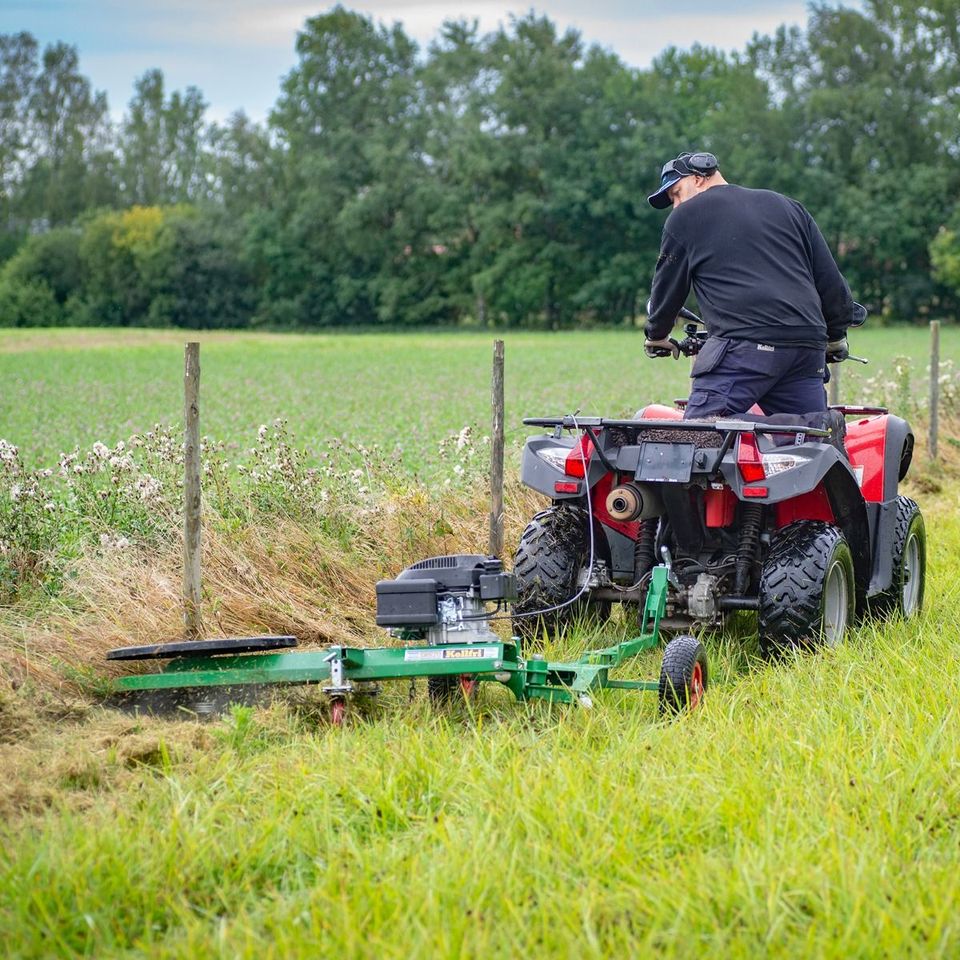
[161, 146]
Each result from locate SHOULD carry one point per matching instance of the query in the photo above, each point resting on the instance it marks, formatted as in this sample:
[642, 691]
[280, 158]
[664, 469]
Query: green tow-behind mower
[438, 611]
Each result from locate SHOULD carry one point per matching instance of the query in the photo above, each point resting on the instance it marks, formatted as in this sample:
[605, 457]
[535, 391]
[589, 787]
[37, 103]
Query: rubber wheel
[553, 550]
[683, 675]
[807, 588]
[905, 595]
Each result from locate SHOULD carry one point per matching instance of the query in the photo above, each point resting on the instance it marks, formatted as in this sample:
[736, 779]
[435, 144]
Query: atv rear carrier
[203, 676]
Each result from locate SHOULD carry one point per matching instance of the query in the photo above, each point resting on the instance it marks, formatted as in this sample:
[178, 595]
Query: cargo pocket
[710, 355]
[706, 403]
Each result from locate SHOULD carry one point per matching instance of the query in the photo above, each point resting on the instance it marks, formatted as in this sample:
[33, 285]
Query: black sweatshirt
[759, 266]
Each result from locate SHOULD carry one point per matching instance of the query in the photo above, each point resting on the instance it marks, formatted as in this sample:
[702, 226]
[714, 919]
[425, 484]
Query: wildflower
[15, 492]
[262, 431]
[101, 451]
[147, 487]
[9, 454]
[50, 506]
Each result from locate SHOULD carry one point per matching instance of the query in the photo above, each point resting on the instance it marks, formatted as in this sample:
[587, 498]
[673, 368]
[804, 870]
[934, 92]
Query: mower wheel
[683, 675]
[807, 588]
[905, 594]
[553, 550]
[444, 689]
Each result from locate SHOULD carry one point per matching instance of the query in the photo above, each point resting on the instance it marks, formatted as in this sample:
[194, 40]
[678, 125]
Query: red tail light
[748, 459]
[578, 458]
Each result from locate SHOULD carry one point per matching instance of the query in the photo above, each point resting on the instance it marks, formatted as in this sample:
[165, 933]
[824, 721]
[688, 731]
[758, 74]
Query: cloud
[236, 51]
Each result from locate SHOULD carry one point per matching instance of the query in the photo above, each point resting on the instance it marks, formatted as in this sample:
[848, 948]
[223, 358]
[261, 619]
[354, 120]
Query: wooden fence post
[191, 491]
[934, 388]
[496, 453]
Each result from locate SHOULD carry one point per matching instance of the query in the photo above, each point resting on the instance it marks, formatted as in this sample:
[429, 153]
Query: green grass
[812, 808]
[65, 387]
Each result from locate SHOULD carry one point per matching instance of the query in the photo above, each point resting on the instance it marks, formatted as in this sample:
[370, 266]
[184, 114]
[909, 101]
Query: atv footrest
[202, 648]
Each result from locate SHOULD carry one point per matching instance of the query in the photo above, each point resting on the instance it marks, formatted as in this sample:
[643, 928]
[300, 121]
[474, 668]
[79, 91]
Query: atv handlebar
[695, 337]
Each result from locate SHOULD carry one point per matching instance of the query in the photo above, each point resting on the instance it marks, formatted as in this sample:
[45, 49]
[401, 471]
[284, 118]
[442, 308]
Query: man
[772, 297]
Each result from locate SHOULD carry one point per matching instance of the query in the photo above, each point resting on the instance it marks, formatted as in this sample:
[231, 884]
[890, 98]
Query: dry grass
[278, 577]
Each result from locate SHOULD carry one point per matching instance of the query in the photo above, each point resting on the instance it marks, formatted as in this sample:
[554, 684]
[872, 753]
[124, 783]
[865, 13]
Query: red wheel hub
[338, 711]
[696, 685]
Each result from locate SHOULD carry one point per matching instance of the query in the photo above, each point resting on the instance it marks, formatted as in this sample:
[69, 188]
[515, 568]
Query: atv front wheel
[905, 594]
[553, 551]
[807, 588]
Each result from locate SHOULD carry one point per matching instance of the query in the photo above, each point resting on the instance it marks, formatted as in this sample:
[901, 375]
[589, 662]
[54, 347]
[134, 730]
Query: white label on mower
[858, 473]
[452, 653]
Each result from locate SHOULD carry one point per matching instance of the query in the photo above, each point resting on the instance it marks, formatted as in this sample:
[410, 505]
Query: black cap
[672, 172]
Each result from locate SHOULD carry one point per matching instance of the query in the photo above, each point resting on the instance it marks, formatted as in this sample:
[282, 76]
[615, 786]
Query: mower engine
[443, 599]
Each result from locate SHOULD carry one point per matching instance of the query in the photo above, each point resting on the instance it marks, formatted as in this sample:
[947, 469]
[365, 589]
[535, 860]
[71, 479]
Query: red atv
[796, 518]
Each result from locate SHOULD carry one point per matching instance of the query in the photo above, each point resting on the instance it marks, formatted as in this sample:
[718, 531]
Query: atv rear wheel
[807, 588]
[905, 594]
[553, 551]
[683, 675]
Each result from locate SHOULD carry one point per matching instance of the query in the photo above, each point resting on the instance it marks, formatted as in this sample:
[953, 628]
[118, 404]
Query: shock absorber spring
[747, 548]
[643, 550]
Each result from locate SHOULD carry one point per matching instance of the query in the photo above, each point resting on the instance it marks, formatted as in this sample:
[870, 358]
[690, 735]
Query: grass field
[812, 808]
[67, 388]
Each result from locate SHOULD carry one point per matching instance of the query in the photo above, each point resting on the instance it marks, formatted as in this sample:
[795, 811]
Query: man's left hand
[662, 348]
[837, 350]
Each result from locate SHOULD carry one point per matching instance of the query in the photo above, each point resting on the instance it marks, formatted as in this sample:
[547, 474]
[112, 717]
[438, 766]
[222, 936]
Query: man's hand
[837, 350]
[662, 348]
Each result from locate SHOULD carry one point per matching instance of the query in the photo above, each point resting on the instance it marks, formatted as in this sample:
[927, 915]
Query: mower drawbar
[437, 610]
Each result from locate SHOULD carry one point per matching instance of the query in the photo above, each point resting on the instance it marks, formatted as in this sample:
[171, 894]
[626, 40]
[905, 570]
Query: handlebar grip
[689, 315]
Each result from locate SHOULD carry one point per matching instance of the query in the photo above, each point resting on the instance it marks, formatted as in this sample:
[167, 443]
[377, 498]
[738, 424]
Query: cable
[586, 583]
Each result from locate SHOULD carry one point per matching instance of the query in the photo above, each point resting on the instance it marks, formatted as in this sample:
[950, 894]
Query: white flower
[458, 470]
[50, 506]
[101, 451]
[15, 492]
[8, 452]
[262, 431]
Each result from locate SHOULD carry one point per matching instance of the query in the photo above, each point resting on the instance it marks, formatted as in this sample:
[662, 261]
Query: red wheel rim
[338, 710]
[468, 686]
[696, 685]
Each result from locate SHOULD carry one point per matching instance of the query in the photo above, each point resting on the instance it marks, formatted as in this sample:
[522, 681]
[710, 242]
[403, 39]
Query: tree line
[495, 178]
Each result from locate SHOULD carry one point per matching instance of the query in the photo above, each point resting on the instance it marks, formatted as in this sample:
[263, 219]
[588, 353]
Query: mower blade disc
[198, 703]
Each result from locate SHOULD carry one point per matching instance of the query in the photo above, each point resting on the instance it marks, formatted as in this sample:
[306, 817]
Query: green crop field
[64, 388]
[811, 808]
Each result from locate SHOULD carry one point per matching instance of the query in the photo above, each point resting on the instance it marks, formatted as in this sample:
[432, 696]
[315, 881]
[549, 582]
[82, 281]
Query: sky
[237, 51]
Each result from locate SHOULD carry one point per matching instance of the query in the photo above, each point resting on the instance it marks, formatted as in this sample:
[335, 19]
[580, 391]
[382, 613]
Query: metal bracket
[337, 686]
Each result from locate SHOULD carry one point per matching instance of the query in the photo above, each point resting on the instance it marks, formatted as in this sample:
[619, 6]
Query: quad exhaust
[633, 501]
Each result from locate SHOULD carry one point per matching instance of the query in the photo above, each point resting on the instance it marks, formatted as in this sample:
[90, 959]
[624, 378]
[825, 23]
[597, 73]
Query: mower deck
[211, 674]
